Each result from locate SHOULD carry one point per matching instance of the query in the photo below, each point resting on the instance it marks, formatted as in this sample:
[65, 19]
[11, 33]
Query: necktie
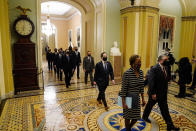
[164, 72]
[68, 58]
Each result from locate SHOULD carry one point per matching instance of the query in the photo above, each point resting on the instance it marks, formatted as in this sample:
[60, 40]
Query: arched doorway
[92, 28]
[60, 29]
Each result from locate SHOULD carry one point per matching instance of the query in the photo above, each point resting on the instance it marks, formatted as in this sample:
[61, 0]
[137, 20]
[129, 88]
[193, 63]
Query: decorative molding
[60, 18]
[189, 18]
[139, 9]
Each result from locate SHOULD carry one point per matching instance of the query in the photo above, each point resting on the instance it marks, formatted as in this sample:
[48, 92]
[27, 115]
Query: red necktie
[164, 72]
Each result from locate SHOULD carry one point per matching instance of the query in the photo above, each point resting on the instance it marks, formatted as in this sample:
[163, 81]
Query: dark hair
[161, 57]
[103, 54]
[132, 59]
[70, 48]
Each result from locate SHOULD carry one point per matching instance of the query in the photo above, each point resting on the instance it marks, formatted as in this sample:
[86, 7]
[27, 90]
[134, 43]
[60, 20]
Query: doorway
[166, 35]
[60, 29]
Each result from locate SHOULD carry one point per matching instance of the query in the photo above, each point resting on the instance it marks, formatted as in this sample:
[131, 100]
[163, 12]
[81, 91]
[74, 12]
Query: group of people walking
[66, 61]
[133, 82]
[133, 86]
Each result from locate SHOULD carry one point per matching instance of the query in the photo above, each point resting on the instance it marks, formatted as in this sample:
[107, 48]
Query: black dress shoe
[191, 88]
[99, 101]
[146, 120]
[179, 96]
[173, 128]
[106, 108]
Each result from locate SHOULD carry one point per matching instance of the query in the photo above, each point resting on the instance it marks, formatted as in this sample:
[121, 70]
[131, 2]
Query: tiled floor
[76, 109]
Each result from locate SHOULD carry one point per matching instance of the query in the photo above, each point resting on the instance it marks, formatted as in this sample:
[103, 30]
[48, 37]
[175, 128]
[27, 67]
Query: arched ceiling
[86, 5]
[188, 6]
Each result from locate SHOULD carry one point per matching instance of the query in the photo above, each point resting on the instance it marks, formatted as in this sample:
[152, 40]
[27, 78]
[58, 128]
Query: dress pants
[77, 67]
[68, 75]
[55, 69]
[78, 70]
[182, 91]
[59, 73]
[194, 79]
[49, 65]
[86, 77]
[163, 107]
[101, 95]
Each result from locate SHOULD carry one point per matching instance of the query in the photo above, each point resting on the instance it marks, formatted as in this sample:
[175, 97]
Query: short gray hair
[161, 57]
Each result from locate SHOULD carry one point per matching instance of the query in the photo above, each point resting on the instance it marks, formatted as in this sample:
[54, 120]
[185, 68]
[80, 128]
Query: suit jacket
[49, 56]
[55, 57]
[158, 83]
[101, 76]
[67, 64]
[78, 59]
[72, 55]
[59, 61]
[88, 65]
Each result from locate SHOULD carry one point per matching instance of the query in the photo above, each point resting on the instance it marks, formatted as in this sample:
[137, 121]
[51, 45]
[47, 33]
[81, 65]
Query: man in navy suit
[78, 62]
[157, 92]
[67, 64]
[101, 77]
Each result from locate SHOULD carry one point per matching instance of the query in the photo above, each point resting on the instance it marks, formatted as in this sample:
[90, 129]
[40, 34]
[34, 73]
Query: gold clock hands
[24, 10]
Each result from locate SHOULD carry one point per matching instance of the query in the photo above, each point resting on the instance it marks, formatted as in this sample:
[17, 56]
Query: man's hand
[84, 70]
[94, 83]
[113, 82]
[61, 70]
[154, 97]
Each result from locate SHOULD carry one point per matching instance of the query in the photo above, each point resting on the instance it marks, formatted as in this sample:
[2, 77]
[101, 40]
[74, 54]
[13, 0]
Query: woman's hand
[125, 106]
[143, 103]
[154, 97]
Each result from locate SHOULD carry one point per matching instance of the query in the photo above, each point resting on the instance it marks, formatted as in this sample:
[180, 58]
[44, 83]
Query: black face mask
[138, 67]
[104, 58]
[76, 49]
[89, 54]
[166, 63]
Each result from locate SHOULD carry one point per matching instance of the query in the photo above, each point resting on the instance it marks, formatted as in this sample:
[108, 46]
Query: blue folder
[128, 101]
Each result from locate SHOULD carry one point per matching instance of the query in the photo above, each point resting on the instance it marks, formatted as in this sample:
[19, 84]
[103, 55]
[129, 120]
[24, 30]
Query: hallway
[77, 110]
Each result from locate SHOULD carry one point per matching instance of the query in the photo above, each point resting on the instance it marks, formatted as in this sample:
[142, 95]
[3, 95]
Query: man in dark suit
[67, 64]
[101, 78]
[78, 62]
[158, 88]
[88, 66]
[49, 57]
[59, 64]
[171, 61]
[55, 57]
[72, 55]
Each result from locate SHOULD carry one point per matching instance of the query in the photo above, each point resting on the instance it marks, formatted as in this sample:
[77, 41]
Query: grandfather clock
[25, 70]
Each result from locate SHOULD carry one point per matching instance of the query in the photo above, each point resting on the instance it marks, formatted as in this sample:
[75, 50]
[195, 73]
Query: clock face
[23, 27]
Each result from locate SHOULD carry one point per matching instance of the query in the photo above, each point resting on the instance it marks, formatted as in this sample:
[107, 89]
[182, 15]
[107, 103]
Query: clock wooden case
[25, 70]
